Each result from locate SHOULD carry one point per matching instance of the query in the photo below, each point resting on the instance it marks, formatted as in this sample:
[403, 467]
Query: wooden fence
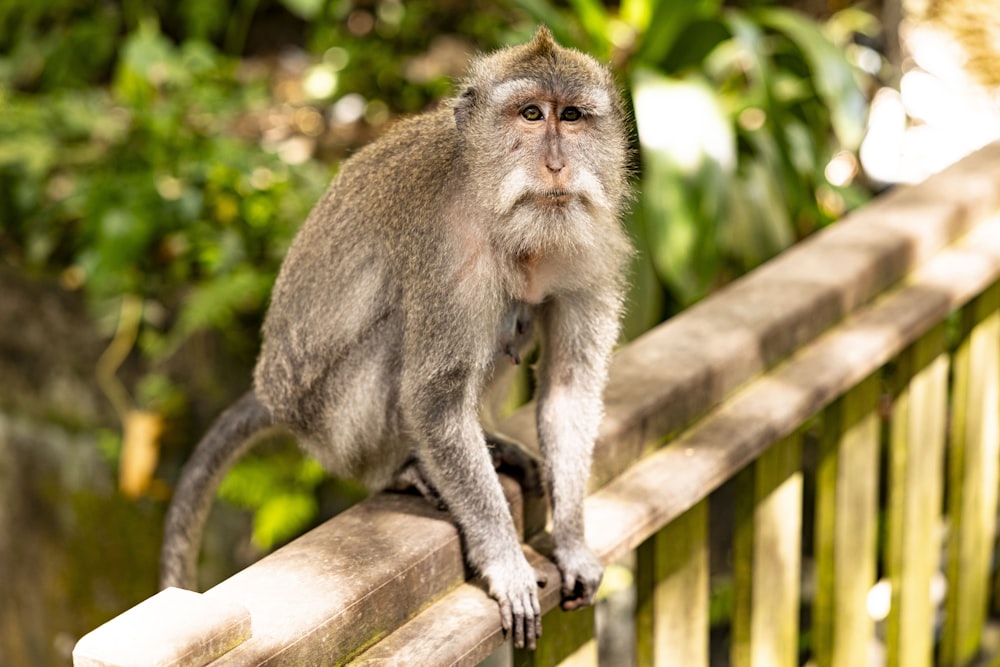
[848, 391]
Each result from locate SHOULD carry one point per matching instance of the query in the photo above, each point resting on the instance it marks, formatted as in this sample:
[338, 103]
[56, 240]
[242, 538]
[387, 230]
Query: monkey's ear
[463, 108]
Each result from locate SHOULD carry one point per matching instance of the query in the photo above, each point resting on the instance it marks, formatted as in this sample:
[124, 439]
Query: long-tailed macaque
[435, 255]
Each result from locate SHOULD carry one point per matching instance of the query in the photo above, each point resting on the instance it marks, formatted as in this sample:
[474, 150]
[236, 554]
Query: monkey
[439, 254]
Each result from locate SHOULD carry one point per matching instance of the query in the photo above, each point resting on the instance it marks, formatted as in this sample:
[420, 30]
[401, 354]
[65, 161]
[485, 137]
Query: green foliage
[738, 112]
[378, 46]
[144, 188]
[57, 43]
[280, 490]
[132, 162]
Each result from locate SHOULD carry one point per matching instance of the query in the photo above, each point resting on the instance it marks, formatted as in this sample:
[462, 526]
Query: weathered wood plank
[664, 380]
[311, 603]
[974, 458]
[174, 628]
[916, 476]
[462, 628]
[767, 559]
[672, 593]
[637, 503]
[847, 494]
[628, 510]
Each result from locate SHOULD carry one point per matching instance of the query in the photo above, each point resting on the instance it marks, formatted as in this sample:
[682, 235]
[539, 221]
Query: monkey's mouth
[556, 197]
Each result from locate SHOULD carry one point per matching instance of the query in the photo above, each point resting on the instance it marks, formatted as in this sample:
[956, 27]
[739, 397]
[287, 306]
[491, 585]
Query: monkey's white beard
[534, 218]
[517, 186]
[512, 190]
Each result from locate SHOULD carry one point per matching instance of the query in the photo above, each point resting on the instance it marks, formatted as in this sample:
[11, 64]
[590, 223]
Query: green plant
[145, 189]
[132, 164]
[738, 113]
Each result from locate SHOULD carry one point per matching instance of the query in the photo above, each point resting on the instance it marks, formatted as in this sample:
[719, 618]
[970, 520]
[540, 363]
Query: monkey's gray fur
[420, 274]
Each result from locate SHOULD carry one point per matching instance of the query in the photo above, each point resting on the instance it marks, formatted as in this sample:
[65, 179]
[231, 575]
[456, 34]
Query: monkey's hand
[581, 574]
[515, 588]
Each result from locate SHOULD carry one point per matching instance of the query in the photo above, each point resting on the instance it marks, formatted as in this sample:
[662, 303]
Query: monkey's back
[352, 261]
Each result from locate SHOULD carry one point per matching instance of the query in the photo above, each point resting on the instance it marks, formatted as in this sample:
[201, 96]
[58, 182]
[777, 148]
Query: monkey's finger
[529, 633]
[519, 628]
[506, 616]
[527, 619]
[531, 624]
[571, 589]
[538, 617]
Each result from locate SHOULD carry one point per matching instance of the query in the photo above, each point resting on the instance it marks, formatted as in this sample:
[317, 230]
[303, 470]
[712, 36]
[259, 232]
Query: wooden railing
[862, 366]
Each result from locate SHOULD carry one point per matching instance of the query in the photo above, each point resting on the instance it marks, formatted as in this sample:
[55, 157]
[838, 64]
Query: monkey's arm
[579, 332]
[440, 394]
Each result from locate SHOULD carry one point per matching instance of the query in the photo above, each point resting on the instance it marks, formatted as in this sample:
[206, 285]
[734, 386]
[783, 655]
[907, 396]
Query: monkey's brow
[515, 92]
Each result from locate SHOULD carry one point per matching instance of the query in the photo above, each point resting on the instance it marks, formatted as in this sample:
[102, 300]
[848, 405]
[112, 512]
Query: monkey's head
[547, 147]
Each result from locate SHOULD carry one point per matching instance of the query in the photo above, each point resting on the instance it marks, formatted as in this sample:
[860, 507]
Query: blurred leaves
[738, 111]
[280, 490]
[142, 157]
[144, 188]
[688, 152]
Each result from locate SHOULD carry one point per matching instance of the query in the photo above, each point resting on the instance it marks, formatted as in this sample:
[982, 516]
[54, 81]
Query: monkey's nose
[553, 158]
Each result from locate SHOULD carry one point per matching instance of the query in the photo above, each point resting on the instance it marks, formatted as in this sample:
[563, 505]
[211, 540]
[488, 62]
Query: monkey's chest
[536, 278]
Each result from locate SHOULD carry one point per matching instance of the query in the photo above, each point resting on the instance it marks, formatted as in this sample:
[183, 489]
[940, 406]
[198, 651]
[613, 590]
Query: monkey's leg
[454, 457]
[577, 342]
[507, 455]
[229, 437]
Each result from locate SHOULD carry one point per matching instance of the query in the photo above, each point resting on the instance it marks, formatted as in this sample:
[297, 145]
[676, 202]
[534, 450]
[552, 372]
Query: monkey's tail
[229, 437]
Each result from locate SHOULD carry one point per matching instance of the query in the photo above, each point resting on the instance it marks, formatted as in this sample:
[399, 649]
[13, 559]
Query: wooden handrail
[387, 575]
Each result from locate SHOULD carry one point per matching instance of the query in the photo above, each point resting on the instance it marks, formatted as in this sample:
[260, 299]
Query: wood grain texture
[916, 481]
[767, 559]
[174, 628]
[360, 577]
[672, 608]
[846, 527]
[973, 471]
[668, 482]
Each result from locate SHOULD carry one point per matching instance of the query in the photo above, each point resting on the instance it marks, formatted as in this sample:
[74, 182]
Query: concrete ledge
[173, 628]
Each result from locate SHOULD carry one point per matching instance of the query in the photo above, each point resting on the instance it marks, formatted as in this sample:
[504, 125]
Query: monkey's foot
[581, 575]
[515, 588]
[411, 477]
[511, 458]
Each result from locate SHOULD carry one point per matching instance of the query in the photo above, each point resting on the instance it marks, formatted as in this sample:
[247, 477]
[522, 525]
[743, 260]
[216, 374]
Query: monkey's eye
[531, 113]
[571, 114]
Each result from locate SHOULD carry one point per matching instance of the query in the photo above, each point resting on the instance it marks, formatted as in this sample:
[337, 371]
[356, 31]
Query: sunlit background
[156, 159]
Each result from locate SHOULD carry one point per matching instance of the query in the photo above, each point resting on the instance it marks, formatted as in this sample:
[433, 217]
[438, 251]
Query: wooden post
[847, 492]
[672, 593]
[916, 455]
[767, 559]
[974, 457]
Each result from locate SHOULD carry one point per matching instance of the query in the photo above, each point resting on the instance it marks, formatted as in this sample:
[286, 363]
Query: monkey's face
[547, 145]
[547, 141]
